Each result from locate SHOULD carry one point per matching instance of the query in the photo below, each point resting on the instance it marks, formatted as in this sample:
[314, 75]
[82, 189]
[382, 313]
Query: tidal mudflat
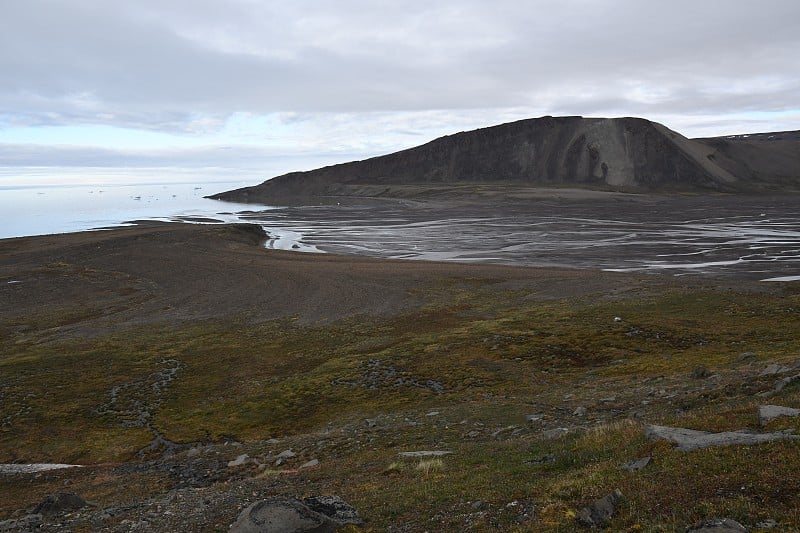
[754, 237]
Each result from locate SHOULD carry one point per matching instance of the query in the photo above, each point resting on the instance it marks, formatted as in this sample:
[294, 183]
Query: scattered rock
[335, 508]
[767, 524]
[31, 522]
[503, 430]
[534, 418]
[689, 439]
[745, 356]
[556, 433]
[432, 413]
[638, 464]
[543, 460]
[701, 372]
[472, 434]
[286, 454]
[239, 461]
[597, 514]
[579, 411]
[281, 457]
[768, 412]
[617, 319]
[62, 502]
[425, 453]
[783, 383]
[773, 369]
[310, 464]
[193, 452]
[718, 525]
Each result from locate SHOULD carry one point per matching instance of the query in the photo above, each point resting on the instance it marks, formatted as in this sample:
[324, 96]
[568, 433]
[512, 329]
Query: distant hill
[617, 154]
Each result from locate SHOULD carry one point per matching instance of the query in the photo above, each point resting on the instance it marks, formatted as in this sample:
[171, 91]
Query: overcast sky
[262, 87]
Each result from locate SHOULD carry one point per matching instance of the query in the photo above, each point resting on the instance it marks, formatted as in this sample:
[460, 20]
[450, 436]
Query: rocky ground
[193, 374]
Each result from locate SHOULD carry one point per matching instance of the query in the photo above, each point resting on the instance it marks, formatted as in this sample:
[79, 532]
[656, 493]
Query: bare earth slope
[622, 154]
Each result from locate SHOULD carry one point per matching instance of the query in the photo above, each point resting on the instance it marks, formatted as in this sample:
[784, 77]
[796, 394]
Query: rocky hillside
[622, 154]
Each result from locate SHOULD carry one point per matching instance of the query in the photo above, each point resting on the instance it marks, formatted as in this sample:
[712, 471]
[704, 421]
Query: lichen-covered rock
[334, 507]
[598, 513]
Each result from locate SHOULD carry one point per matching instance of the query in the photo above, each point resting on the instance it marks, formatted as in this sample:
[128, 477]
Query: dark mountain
[619, 154]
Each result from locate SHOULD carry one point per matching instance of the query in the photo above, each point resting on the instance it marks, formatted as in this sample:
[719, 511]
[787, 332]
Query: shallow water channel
[752, 237]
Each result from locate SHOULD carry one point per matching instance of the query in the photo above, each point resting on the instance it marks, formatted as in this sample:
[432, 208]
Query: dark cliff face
[626, 154]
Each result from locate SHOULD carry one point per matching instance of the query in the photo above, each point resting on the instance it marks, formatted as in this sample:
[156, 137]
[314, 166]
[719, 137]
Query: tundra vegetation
[539, 394]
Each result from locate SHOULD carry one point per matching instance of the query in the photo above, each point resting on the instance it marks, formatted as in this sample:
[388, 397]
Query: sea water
[47, 209]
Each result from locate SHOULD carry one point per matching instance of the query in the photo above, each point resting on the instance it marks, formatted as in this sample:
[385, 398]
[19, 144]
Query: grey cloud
[252, 161]
[159, 64]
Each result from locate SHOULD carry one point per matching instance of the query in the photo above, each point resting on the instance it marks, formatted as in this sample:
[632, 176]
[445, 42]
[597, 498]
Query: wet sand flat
[754, 237]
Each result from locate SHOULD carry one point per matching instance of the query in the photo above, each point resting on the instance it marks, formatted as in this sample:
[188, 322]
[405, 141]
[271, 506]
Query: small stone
[718, 525]
[239, 461]
[773, 369]
[599, 512]
[425, 453]
[503, 430]
[432, 413]
[476, 504]
[617, 319]
[554, 433]
[783, 383]
[579, 411]
[638, 464]
[767, 524]
[193, 452]
[286, 454]
[62, 502]
[745, 356]
[310, 464]
[534, 418]
[701, 372]
[543, 460]
[472, 434]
